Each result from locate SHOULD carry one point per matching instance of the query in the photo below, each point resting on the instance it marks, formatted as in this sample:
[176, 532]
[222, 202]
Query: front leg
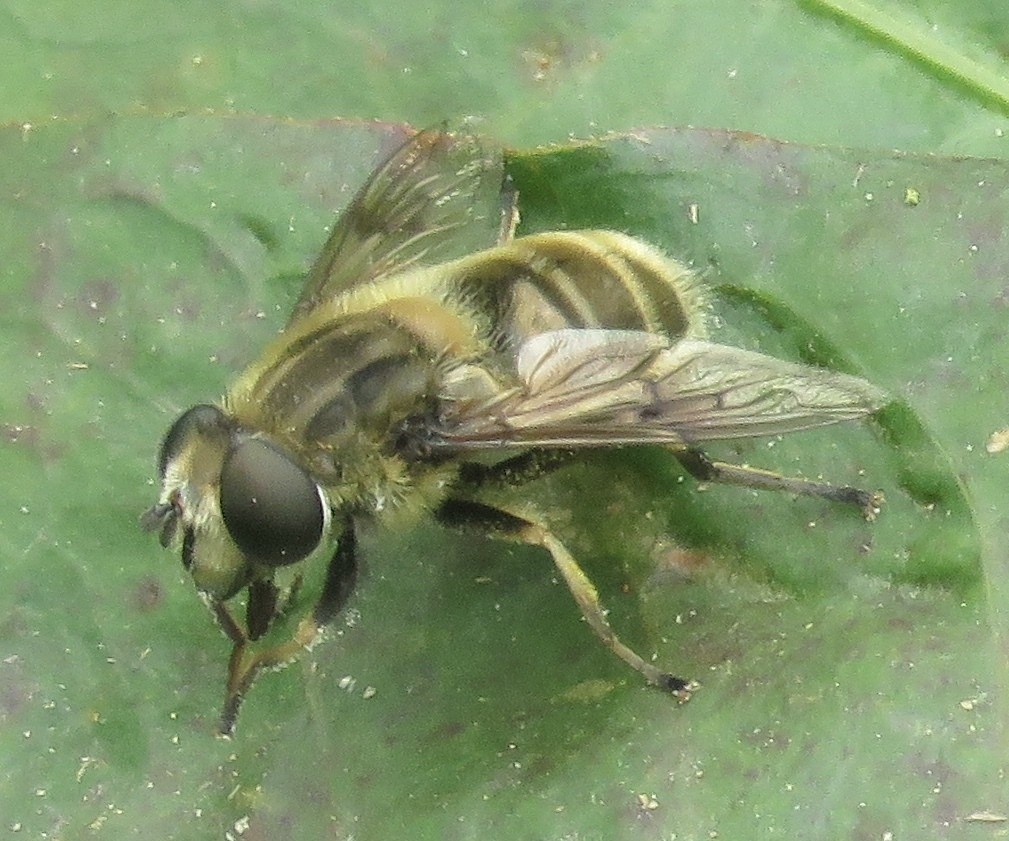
[261, 606]
[245, 666]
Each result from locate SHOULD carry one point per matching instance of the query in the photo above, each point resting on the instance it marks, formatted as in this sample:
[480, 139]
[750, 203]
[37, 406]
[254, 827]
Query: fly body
[413, 377]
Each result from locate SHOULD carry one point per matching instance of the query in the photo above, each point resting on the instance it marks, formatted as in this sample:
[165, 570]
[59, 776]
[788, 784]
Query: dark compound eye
[201, 418]
[271, 507]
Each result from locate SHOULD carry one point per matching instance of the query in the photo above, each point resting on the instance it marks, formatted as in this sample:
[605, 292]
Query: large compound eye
[271, 507]
[201, 418]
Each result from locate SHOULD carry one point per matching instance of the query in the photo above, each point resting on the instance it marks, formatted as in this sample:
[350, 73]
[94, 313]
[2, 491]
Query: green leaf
[851, 675]
[910, 74]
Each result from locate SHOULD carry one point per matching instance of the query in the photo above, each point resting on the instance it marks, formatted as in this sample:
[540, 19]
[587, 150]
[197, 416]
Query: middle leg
[494, 522]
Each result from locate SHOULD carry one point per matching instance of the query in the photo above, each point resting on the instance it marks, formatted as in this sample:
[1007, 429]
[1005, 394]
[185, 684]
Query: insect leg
[494, 522]
[509, 211]
[243, 668]
[261, 606]
[514, 471]
[704, 469]
[341, 576]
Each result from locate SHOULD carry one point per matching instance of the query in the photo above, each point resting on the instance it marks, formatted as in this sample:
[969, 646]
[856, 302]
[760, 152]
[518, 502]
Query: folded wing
[584, 388]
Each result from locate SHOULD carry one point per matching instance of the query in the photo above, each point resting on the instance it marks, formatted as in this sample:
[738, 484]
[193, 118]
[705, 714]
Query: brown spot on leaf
[683, 561]
[17, 434]
[96, 297]
[148, 594]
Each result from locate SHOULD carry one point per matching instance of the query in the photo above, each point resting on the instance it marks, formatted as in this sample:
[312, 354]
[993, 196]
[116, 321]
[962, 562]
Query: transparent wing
[584, 388]
[435, 198]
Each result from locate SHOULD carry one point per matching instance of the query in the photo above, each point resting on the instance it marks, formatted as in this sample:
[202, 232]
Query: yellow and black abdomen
[580, 279]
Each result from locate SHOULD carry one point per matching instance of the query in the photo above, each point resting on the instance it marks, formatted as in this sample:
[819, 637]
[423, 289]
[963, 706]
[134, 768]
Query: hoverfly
[406, 381]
